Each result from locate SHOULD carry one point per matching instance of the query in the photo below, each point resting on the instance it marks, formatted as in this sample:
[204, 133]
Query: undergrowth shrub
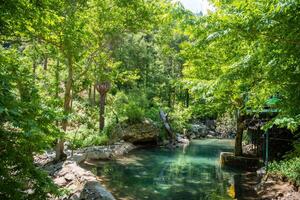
[153, 114]
[131, 107]
[26, 128]
[289, 168]
[134, 112]
[95, 140]
[84, 137]
[84, 127]
[180, 117]
[226, 124]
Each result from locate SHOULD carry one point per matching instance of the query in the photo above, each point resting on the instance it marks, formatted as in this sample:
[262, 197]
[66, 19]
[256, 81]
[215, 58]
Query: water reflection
[192, 172]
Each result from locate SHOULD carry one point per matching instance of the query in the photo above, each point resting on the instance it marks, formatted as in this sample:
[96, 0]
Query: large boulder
[80, 183]
[199, 130]
[107, 152]
[141, 133]
[93, 190]
[249, 149]
[182, 139]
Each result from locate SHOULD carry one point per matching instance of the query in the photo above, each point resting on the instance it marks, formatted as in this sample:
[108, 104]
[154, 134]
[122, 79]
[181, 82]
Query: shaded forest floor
[278, 189]
[251, 187]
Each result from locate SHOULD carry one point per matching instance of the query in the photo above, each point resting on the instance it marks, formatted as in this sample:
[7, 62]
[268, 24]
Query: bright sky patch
[197, 6]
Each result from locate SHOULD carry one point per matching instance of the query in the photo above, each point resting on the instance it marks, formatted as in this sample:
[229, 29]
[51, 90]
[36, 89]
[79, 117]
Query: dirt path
[278, 189]
[249, 186]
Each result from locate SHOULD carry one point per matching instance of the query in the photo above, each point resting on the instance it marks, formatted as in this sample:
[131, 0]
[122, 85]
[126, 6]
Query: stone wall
[228, 159]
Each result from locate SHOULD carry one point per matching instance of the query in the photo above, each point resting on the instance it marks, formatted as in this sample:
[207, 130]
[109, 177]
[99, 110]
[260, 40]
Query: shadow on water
[189, 173]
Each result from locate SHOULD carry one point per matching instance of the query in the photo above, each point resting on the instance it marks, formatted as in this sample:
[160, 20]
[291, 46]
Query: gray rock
[70, 177]
[182, 140]
[73, 187]
[199, 130]
[213, 133]
[105, 153]
[60, 181]
[53, 169]
[75, 196]
[81, 183]
[193, 136]
[122, 149]
[261, 171]
[97, 154]
[249, 149]
[145, 132]
[78, 157]
[94, 191]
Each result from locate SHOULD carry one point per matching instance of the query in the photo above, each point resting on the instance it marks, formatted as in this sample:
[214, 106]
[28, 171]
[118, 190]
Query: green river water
[187, 173]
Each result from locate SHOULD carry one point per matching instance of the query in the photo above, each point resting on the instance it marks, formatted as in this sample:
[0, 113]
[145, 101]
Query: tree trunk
[238, 150]
[34, 68]
[164, 118]
[102, 88]
[60, 155]
[174, 98]
[57, 80]
[46, 63]
[90, 94]
[187, 98]
[101, 111]
[94, 95]
[169, 97]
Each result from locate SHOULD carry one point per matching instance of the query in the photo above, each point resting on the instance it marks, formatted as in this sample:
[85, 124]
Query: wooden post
[267, 150]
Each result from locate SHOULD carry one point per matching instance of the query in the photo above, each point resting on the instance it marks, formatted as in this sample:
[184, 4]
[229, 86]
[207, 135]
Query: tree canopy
[150, 54]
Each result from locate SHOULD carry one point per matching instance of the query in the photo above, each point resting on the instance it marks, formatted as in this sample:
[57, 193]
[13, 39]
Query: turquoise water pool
[186, 173]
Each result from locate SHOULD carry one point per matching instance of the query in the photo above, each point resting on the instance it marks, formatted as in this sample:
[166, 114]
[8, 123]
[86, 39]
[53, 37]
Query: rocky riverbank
[80, 183]
[275, 187]
[251, 186]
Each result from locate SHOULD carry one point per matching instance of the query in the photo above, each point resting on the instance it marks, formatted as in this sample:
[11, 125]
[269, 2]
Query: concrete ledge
[228, 159]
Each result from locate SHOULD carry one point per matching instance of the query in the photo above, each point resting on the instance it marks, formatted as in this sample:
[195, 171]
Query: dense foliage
[142, 56]
[245, 53]
[25, 128]
[54, 53]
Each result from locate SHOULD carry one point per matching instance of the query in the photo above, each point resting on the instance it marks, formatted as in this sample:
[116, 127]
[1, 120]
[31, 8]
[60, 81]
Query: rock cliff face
[208, 129]
[141, 133]
[199, 130]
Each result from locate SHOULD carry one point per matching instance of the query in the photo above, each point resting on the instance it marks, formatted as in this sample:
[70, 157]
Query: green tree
[245, 53]
[26, 127]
